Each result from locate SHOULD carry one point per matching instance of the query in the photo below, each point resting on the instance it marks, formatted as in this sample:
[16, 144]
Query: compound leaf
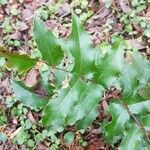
[72, 104]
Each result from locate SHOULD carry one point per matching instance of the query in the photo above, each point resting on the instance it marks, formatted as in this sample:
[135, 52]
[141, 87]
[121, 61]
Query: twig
[136, 120]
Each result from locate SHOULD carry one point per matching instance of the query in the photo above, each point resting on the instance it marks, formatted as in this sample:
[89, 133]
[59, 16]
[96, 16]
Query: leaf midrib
[79, 48]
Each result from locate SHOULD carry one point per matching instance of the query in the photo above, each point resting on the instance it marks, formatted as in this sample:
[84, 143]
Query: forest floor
[102, 19]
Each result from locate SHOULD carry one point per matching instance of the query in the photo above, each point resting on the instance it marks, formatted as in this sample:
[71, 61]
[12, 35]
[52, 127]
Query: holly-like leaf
[81, 49]
[134, 78]
[47, 43]
[121, 119]
[72, 104]
[27, 96]
[86, 121]
[22, 63]
[142, 67]
[109, 66]
[130, 85]
[128, 80]
[133, 138]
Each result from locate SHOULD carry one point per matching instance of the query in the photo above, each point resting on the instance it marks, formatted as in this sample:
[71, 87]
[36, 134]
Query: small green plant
[79, 84]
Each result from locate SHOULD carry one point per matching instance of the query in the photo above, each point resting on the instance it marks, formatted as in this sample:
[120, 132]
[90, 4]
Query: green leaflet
[121, 119]
[81, 49]
[130, 85]
[141, 66]
[86, 121]
[109, 67]
[45, 74]
[128, 79]
[134, 139]
[21, 63]
[26, 96]
[72, 104]
[47, 43]
[134, 78]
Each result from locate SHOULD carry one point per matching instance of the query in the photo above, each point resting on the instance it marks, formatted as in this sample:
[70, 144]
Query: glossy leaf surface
[47, 43]
[81, 49]
[72, 104]
[121, 119]
[26, 96]
[109, 66]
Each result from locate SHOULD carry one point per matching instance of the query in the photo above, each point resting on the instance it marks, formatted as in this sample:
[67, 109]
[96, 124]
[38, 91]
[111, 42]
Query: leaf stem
[136, 120]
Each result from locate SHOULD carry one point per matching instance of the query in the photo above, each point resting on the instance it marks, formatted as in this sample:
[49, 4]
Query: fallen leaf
[16, 35]
[1, 17]
[42, 146]
[147, 12]
[15, 121]
[23, 26]
[124, 4]
[28, 1]
[6, 85]
[31, 79]
[12, 135]
[30, 117]
[27, 14]
[64, 9]
[136, 44]
[104, 105]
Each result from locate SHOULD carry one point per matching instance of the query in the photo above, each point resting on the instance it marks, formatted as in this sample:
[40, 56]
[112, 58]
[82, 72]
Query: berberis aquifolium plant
[79, 85]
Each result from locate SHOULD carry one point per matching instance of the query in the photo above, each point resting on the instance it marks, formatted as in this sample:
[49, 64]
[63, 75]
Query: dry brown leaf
[102, 13]
[147, 12]
[16, 35]
[28, 1]
[32, 77]
[12, 135]
[1, 17]
[104, 105]
[5, 84]
[2, 147]
[30, 117]
[64, 9]
[15, 121]
[41, 146]
[23, 26]
[136, 44]
[27, 14]
[124, 4]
